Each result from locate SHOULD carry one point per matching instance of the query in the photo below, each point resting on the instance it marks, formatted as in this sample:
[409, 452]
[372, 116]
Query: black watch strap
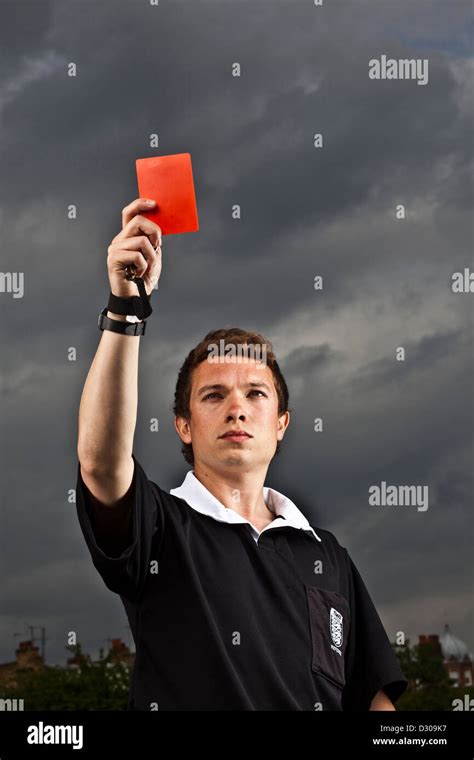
[138, 305]
[125, 328]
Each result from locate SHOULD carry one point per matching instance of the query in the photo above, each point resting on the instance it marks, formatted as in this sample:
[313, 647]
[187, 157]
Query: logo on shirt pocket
[336, 623]
[329, 617]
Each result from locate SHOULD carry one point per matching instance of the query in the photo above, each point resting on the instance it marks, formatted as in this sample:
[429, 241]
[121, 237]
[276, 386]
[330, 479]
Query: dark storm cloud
[304, 212]
[425, 355]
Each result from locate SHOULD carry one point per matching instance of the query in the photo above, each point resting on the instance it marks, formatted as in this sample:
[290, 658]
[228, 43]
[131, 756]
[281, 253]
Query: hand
[130, 248]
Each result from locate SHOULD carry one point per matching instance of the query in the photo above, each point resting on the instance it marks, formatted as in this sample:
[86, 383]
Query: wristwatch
[134, 308]
[125, 328]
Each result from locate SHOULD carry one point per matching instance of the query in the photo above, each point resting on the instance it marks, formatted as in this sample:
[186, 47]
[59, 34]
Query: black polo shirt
[222, 622]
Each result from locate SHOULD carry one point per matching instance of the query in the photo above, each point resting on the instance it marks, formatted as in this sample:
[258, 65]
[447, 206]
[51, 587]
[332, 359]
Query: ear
[283, 422]
[183, 428]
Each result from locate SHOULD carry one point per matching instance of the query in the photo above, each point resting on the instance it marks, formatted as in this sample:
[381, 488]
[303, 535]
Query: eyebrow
[221, 387]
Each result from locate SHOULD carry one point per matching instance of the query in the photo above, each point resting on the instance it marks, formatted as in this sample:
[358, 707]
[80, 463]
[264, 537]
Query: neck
[240, 491]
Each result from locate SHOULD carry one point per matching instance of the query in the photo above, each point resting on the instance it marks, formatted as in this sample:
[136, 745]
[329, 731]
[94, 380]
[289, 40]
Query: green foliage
[91, 686]
[423, 665]
[429, 685]
[433, 698]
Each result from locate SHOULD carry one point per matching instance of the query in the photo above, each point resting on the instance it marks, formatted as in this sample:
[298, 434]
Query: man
[234, 600]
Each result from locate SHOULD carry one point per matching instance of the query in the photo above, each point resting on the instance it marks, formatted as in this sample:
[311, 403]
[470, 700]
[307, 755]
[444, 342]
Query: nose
[235, 410]
[235, 416]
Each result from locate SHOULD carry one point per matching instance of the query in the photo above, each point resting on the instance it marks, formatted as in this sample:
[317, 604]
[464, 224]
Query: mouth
[235, 435]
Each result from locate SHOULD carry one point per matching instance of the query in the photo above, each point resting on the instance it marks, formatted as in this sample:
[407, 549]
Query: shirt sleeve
[371, 663]
[120, 538]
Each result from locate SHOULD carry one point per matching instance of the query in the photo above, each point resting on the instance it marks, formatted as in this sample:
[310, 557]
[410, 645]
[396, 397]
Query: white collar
[202, 500]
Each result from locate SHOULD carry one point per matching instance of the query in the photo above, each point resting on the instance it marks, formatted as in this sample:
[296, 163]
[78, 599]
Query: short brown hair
[237, 337]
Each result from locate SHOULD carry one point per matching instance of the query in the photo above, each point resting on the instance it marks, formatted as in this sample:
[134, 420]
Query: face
[233, 397]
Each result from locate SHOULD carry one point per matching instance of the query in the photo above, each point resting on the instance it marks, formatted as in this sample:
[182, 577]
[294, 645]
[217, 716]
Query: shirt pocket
[329, 619]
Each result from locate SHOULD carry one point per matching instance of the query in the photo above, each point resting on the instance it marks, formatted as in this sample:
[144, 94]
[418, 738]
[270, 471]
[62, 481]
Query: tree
[429, 685]
[101, 685]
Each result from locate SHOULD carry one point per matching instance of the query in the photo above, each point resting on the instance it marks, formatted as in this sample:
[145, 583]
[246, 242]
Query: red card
[169, 181]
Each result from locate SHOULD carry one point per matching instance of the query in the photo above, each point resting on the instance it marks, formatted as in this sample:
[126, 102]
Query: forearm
[381, 702]
[108, 408]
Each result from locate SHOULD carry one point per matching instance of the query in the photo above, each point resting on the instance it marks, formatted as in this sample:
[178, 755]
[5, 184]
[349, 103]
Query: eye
[211, 394]
[215, 393]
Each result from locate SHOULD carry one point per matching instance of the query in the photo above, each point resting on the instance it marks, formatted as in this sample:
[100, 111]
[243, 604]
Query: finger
[140, 224]
[136, 267]
[134, 208]
[153, 272]
[139, 243]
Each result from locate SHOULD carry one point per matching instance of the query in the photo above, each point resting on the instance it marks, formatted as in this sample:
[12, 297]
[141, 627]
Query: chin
[234, 460]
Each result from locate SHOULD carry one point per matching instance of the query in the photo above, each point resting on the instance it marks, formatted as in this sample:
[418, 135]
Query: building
[119, 652]
[28, 658]
[457, 660]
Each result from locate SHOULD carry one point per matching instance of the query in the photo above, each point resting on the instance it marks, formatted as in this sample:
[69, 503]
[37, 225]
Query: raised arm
[108, 407]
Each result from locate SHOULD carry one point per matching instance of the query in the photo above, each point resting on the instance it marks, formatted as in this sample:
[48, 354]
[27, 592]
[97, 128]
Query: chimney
[28, 656]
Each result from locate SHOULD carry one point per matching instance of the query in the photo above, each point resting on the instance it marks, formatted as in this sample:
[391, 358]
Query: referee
[234, 600]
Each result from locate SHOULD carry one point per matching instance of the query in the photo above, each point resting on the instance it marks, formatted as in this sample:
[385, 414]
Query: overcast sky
[305, 212]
